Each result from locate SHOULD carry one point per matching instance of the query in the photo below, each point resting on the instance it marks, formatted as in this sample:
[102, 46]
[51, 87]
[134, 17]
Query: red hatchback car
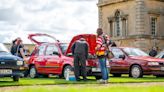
[53, 57]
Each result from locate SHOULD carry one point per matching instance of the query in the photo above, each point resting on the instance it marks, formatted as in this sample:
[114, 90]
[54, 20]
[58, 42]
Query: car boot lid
[90, 38]
[39, 38]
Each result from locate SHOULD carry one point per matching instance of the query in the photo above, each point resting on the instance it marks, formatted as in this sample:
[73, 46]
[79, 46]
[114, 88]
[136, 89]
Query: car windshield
[135, 52]
[63, 47]
[160, 55]
[3, 50]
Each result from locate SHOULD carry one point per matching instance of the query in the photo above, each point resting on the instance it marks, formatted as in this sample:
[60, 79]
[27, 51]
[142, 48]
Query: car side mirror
[122, 56]
[56, 53]
[69, 54]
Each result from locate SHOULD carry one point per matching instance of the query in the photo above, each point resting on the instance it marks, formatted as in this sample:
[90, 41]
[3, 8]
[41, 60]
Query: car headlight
[19, 62]
[153, 63]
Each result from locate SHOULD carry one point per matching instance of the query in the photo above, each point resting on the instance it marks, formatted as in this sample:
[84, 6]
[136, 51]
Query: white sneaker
[105, 81]
[101, 81]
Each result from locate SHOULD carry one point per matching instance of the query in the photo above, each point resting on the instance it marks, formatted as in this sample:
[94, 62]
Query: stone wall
[138, 14]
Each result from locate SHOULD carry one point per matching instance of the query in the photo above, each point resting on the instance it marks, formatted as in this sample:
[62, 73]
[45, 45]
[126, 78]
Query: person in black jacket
[13, 47]
[153, 52]
[80, 53]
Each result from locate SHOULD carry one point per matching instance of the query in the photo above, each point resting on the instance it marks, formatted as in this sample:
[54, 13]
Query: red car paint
[55, 64]
[124, 65]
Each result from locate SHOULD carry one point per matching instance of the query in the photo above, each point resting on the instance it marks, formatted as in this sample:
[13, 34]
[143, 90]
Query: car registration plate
[5, 71]
[96, 70]
[162, 68]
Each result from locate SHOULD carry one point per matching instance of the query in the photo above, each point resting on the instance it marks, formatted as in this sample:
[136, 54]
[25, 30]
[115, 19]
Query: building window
[118, 23]
[153, 26]
[124, 27]
[111, 28]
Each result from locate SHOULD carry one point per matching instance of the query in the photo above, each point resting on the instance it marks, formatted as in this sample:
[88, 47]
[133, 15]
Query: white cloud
[61, 18]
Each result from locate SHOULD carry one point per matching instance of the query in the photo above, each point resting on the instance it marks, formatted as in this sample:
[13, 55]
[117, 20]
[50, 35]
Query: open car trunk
[39, 38]
[90, 38]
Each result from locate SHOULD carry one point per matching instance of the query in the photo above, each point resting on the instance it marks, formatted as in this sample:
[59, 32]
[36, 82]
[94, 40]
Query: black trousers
[80, 65]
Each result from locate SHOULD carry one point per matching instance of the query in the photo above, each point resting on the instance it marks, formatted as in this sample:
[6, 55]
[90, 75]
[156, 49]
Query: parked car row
[53, 57]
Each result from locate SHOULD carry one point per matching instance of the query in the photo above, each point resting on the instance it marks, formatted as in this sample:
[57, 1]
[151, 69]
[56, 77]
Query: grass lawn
[57, 81]
[53, 84]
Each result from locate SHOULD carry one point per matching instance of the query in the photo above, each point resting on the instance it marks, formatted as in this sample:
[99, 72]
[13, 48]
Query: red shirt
[100, 41]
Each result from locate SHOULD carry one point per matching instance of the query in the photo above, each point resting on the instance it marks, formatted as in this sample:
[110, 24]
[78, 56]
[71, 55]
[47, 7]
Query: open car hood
[39, 38]
[90, 38]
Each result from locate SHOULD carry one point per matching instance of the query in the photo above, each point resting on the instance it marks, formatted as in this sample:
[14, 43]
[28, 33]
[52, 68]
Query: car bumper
[94, 71]
[14, 73]
[154, 70]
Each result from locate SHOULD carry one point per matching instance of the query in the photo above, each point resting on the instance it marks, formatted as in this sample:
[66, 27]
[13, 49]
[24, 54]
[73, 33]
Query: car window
[160, 55]
[51, 49]
[117, 52]
[63, 47]
[135, 52]
[41, 50]
[163, 56]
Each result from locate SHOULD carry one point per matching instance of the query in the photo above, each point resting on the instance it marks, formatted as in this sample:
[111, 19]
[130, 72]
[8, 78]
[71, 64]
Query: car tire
[98, 77]
[67, 69]
[158, 76]
[116, 75]
[16, 78]
[33, 72]
[136, 71]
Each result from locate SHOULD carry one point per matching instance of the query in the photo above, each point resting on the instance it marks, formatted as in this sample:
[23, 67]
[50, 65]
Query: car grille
[161, 63]
[8, 64]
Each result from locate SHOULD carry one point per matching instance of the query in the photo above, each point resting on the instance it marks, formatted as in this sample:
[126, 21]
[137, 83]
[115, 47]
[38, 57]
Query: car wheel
[67, 70]
[136, 71]
[15, 78]
[117, 75]
[98, 77]
[33, 72]
[159, 76]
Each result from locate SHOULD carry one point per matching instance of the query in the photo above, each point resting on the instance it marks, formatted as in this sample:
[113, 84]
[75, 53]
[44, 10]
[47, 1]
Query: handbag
[17, 54]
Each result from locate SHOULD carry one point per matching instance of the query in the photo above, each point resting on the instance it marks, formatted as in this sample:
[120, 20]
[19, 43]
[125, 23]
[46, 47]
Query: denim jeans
[104, 69]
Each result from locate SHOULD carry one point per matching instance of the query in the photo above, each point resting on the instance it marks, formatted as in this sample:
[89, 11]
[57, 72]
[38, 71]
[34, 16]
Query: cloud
[61, 18]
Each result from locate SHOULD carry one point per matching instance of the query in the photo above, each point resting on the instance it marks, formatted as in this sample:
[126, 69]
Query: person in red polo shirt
[101, 52]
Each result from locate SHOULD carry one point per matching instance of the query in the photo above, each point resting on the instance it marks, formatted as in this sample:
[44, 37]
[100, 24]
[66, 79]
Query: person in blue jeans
[101, 49]
[104, 69]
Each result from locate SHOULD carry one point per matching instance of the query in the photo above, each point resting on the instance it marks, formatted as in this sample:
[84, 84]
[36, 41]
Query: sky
[62, 19]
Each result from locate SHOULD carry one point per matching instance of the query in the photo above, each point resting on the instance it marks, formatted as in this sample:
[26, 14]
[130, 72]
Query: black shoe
[78, 79]
[85, 79]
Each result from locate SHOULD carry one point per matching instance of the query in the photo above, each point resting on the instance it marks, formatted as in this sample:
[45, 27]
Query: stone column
[100, 15]
[140, 24]
[140, 17]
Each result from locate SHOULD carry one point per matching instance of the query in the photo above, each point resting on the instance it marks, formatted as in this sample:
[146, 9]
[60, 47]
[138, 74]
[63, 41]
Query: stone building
[133, 23]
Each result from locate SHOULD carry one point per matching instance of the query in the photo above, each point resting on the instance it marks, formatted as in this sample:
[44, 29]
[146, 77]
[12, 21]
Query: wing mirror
[69, 54]
[122, 56]
[56, 53]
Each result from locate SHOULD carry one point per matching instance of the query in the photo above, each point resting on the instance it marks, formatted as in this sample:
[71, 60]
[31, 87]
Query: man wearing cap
[80, 53]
